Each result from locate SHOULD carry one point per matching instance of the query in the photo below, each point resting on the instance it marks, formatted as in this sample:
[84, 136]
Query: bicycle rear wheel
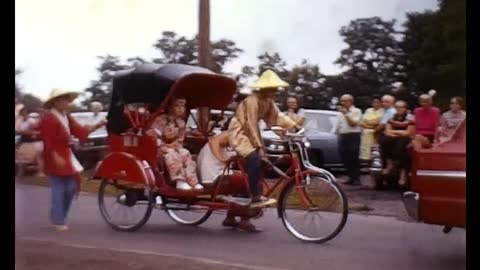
[320, 221]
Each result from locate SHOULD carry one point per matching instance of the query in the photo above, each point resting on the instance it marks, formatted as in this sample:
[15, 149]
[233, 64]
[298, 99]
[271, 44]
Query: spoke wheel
[321, 221]
[124, 208]
[194, 216]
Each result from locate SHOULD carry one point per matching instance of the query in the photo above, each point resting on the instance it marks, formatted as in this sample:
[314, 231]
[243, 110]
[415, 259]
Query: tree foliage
[32, 102]
[373, 57]
[429, 53]
[100, 90]
[183, 50]
[173, 49]
[434, 44]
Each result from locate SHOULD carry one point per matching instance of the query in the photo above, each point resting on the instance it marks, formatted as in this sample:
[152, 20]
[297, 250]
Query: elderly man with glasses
[349, 131]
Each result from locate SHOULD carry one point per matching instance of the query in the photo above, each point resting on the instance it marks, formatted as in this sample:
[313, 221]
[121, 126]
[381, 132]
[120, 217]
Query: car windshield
[320, 122]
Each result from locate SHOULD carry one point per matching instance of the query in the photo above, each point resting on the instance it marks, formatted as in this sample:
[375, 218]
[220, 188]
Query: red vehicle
[438, 183]
[311, 205]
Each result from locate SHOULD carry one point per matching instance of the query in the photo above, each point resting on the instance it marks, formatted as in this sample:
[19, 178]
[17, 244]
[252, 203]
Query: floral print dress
[178, 159]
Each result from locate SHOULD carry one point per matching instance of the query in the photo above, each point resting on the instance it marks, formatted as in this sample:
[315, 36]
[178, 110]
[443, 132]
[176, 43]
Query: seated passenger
[212, 160]
[171, 129]
[397, 136]
[213, 157]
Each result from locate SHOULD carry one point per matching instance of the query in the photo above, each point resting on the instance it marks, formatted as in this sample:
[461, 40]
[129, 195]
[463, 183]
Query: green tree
[183, 50]
[100, 90]
[307, 84]
[434, 45]
[373, 57]
[32, 102]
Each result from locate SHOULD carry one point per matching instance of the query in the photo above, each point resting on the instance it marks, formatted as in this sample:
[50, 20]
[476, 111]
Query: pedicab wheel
[321, 221]
[124, 208]
[192, 217]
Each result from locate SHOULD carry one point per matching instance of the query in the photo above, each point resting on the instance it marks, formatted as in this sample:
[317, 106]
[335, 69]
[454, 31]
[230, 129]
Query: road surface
[367, 242]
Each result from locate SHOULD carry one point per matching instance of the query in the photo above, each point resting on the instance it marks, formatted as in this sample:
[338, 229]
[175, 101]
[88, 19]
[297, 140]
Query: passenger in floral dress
[171, 129]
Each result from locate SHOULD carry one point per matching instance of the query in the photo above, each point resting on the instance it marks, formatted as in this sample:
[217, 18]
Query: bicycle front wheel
[315, 211]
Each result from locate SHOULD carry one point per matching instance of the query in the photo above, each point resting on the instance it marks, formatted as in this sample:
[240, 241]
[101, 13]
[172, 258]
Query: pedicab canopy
[156, 85]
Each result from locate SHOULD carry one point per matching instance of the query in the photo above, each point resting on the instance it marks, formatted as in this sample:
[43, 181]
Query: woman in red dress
[60, 164]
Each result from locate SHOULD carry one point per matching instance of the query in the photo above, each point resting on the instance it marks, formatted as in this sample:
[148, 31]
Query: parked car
[93, 150]
[320, 127]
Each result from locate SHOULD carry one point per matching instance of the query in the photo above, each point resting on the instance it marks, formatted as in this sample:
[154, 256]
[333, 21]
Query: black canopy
[156, 84]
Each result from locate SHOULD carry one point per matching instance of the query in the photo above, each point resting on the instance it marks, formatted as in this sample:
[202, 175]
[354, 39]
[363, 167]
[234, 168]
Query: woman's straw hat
[58, 92]
[268, 79]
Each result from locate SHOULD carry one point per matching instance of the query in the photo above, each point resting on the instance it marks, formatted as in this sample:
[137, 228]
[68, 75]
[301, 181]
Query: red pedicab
[134, 180]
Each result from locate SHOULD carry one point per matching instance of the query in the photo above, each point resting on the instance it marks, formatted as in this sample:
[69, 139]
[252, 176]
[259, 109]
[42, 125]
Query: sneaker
[247, 226]
[182, 185]
[158, 200]
[61, 228]
[230, 222]
[198, 187]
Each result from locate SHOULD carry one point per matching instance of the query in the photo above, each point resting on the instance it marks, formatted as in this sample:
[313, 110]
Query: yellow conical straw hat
[57, 92]
[268, 79]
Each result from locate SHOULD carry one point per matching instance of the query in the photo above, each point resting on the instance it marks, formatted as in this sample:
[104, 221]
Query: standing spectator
[398, 133]
[349, 138]
[370, 121]
[31, 147]
[61, 165]
[294, 111]
[451, 119]
[96, 108]
[427, 118]
[388, 112]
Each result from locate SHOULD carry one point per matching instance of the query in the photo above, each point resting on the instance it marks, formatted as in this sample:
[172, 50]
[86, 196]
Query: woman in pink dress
[171, 129]
[427, 118]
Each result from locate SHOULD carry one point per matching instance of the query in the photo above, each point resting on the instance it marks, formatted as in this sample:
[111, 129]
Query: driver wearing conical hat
[244, 130]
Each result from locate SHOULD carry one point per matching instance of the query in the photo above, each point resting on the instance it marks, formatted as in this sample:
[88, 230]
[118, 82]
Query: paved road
[367, 242]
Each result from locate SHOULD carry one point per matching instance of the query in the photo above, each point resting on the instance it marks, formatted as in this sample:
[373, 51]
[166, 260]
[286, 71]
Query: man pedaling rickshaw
[244, 131]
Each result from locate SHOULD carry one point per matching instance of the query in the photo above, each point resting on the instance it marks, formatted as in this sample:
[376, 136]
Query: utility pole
[204, 53]
[204, 57]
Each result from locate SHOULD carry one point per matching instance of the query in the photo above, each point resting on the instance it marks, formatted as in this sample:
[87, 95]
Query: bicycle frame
[298, 156]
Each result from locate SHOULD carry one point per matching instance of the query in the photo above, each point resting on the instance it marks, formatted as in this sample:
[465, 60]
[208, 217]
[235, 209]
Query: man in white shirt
[388, 110]
[96, 108]
[349, 131]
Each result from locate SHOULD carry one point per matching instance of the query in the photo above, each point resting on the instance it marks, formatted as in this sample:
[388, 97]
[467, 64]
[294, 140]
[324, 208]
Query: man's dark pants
[254, 163]
[349, 148]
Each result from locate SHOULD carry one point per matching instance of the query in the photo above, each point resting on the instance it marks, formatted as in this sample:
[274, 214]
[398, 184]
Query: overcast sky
[57, 41]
